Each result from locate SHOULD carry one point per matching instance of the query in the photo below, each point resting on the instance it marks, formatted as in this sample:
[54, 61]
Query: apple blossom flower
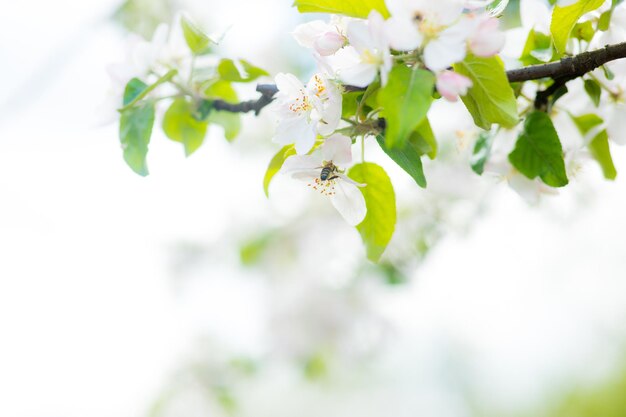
[413, 22]
[451, 85]
[441, 28]
[323, 170]
[305, 112]
[324, 38]
[367, 54]
[486, 40]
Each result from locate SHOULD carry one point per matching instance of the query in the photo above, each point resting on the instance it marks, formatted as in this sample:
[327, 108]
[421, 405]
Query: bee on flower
[324, 172]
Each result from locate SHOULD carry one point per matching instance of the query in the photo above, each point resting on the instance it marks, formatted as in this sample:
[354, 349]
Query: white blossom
[323, 171]
[366, 55]
[324, 38]
[306, 111]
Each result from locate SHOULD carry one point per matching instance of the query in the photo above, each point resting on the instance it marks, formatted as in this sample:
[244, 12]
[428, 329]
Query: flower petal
[302, 167]
[307, 33]
[402, 33]
[337, 148]
[447, 49]
[351, 70]
[288, 84]
[298, 130]
[349, 202]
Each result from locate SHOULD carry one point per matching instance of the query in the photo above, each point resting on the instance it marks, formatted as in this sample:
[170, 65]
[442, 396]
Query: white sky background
[89, 324]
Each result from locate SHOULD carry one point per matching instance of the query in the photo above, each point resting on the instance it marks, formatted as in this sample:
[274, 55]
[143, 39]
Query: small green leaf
[408, 158]
[537, 50]
[253, 71]
[135, 131]
[136, 89]
[230, 122]
[490, 99]
[482, 151]
[594, 91]
[229, 72]
[196, 39]
[583, 31]
[133, 89]
[380, 222]
[586, 122]
[538, 151]
[601, 152]
[275, 165]
[424, 138]
[223, 90]
[564, 19]
[354, 8]
[405, 101]
[180, 125]
[605, 20]
[599, 145]
[608, 73]
[350, 103]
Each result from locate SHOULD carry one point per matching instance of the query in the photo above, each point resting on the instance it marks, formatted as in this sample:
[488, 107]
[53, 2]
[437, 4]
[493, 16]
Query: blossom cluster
[357, 52]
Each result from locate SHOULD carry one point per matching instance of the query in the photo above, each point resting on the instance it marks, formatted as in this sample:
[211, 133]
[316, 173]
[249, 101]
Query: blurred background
[188, 293]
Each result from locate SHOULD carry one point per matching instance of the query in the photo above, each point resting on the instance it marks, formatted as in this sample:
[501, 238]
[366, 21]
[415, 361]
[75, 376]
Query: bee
[328, 171]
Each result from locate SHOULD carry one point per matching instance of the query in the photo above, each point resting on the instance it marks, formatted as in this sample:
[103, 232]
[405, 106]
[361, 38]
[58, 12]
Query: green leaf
[196, 39]
[594, 91]
[135, 131]
[537, 49]
[583, 31]
[408, 158]
[133, 89]
[601, 152]
[223, 90]
[490, 99]
[253, 71]
[180, 125]
[424, 138]
[605, 20]
[350, 103]
[380, 222]
[136, 89]
[231, 122]
[599, 145]
[564, 19]
[586, 122]
[538, 151]
[405, 101]
[354, 8]
[608, 73]
[275, 165]
[482, 151]
[229, 72]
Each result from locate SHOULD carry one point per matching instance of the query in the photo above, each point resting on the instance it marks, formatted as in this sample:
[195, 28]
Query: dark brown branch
[570, 67]
[561, 71]
[267, 95]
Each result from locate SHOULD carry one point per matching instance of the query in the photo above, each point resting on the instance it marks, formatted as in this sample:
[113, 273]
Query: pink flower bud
[451, 85]
[486, 40]
[328, 43]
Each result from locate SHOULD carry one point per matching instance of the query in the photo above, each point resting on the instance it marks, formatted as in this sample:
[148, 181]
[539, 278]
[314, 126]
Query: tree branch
[561, 71]
[570, 67]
